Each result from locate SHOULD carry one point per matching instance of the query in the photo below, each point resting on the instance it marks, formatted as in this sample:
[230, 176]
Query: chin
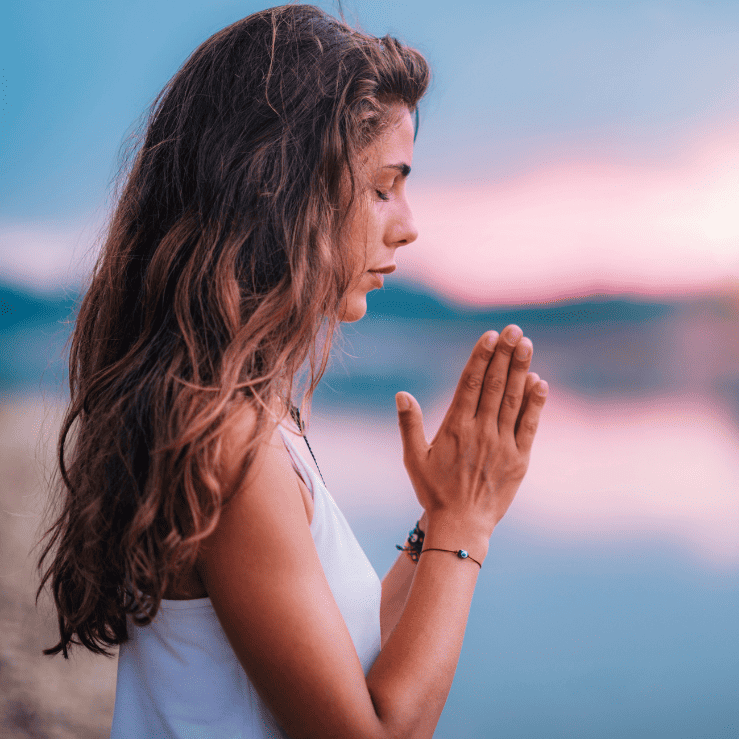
[356, 307]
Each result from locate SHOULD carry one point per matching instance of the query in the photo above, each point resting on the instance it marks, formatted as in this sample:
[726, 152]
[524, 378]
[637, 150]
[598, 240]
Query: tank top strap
[299, 463]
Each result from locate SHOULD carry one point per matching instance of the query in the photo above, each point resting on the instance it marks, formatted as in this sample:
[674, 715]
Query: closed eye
[382, 195]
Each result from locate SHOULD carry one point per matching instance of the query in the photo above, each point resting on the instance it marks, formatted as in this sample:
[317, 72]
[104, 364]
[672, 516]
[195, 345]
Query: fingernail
[401, 401]
[522, 351]
[543, 388]
[491, 340]
[515, 335]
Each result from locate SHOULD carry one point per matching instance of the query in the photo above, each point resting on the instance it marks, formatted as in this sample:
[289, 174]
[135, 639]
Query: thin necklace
[295, 413]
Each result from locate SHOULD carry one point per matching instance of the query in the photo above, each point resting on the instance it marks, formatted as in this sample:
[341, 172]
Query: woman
[267, 195]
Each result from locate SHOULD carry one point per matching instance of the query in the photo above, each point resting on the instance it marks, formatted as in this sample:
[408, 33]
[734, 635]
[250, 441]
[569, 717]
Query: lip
[379, 278]
[386, 270]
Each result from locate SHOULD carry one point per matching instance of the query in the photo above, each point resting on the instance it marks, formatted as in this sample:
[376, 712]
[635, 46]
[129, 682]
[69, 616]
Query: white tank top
[179, 676]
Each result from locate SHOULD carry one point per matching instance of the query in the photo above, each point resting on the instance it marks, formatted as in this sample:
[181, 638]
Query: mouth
[384, 270]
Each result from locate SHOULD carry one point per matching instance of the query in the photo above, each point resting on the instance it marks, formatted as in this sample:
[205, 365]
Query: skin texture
[261, 569]
[389, 223]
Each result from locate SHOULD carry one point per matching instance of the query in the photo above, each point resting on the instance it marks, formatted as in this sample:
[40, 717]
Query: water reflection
[608, 602]
[638, 437]
[660, 466]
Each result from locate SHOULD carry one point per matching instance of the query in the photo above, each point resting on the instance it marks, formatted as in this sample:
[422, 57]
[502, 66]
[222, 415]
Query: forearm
[466, 478]
[411, 678]
[395, 587]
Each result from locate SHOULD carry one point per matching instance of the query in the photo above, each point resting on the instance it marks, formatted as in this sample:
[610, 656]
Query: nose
[404, 231]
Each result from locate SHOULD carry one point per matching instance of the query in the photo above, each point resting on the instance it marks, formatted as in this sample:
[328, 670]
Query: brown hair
[223, 262]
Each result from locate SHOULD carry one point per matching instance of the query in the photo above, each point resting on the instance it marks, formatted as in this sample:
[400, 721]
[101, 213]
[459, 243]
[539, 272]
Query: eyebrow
[402, 167]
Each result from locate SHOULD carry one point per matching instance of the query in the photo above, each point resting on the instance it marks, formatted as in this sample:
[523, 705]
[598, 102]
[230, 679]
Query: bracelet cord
[414, 543]
[461, 553]
[414, 546]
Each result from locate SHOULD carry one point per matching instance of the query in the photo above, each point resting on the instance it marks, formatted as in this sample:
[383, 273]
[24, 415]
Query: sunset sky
[565, 148]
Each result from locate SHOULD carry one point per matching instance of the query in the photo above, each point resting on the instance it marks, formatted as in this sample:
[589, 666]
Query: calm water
[608, 604]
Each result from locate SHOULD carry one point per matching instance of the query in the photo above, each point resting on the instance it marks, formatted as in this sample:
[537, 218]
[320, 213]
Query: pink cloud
[570, 227]
[566, 229]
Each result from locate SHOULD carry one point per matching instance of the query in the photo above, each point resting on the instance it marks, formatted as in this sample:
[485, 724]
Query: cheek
[366, 237]
[375, 224]
[363, 244]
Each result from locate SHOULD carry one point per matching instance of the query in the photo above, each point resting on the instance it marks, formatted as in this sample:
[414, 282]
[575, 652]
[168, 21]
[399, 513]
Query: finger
[512, 400]
[496, 376]
[530, 419]
[467, 394]
[531, 379]
[410, 420]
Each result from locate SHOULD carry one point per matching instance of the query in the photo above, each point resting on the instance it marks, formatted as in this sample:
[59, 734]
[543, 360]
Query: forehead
[394, 145]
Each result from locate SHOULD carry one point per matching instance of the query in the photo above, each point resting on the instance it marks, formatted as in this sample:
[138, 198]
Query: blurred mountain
[24, 307]
[34, 327]
[407, 301]
[412, 339]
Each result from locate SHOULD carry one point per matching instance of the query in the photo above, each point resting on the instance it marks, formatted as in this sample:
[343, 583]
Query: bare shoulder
[262, 572]
[271, 463]
[237, 432]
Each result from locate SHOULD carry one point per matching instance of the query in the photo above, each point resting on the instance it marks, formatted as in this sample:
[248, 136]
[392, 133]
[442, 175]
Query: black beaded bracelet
[414, 544]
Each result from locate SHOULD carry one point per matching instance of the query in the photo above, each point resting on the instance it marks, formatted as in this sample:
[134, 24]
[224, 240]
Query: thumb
[410, 420]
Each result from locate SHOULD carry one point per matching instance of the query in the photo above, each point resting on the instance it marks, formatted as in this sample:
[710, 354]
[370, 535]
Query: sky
[565, 148]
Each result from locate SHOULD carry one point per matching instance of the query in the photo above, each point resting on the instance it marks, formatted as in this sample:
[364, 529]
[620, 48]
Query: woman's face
[388, 222]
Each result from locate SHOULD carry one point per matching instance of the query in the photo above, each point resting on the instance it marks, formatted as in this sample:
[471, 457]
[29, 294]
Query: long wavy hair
[224, 260]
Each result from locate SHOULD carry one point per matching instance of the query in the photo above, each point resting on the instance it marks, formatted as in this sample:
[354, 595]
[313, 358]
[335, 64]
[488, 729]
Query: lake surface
[608, 604]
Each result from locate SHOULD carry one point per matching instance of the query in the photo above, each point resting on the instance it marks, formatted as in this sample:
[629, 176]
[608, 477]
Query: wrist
[453, 534]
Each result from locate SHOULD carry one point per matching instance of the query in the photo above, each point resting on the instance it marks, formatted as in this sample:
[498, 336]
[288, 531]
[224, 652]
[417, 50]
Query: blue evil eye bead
[462, 554]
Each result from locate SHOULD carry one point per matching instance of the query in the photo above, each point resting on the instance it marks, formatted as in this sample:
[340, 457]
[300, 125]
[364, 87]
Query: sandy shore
[39, 696]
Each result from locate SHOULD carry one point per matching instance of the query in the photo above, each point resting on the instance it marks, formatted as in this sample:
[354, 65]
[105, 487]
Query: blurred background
[576, 172]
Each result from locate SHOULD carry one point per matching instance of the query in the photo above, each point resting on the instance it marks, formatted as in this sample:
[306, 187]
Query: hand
[477, 460]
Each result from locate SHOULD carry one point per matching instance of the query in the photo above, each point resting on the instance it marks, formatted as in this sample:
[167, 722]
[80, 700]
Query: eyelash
[383, 196]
